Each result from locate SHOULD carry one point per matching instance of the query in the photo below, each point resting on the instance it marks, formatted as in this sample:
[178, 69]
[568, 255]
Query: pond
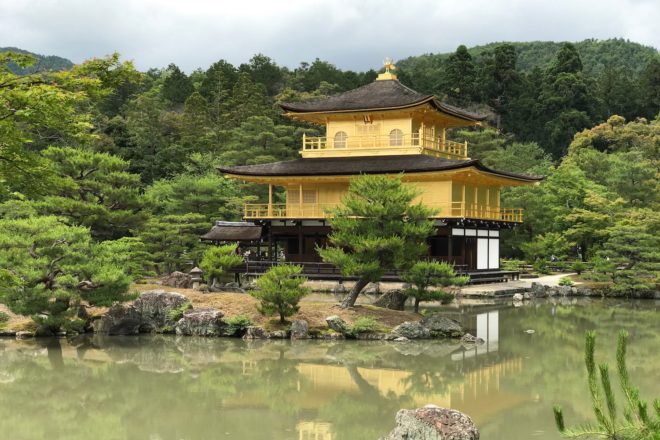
[169, 388]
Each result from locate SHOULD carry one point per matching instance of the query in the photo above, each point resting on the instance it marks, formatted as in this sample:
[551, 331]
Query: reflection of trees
[554, 368]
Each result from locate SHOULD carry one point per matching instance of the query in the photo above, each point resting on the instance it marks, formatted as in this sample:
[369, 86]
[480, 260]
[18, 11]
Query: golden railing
[321, 210]
[283, 210]
[473, 210]
[405, 140]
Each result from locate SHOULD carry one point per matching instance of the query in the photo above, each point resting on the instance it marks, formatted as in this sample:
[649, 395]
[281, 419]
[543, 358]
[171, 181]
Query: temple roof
[378, 95]
[233, 231]
[332, 166]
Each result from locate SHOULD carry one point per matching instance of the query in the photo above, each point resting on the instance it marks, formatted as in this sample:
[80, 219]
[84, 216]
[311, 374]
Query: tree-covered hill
[42, 63]
[596, 55]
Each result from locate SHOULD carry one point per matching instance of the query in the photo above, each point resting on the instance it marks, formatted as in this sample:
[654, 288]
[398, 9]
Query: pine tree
[53, 267]
[637, 424]
[426, 274]
[279, 290]
[378, 229]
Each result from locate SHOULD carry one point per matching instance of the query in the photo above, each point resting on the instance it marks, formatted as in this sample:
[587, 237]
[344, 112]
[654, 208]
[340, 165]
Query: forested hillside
[596, 55]
[42, 63]
[127, 159]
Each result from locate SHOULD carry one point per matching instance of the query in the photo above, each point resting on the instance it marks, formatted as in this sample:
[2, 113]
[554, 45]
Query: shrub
[579, 267]
[364, 324]
[3, 319]
[639, 423]
[177, 313]
[425, 274]
[279, 290]
[512, 265]
[217, 261]
[541, 267]
[238, 324]
[565, 281]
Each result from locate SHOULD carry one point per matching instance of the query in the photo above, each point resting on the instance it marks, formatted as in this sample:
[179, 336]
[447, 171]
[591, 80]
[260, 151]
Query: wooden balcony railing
[414, 142]
[282, 210]
[321, 210]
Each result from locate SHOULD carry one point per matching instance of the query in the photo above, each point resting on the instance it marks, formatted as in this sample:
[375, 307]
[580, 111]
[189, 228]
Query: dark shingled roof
[378, 95]
[327, 166]
[233, 231]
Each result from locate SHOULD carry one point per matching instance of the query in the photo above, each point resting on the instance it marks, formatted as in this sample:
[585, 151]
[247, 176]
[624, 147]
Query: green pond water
[169, 388]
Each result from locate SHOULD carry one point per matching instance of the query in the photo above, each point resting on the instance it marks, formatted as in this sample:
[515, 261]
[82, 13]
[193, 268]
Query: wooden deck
[329, 272]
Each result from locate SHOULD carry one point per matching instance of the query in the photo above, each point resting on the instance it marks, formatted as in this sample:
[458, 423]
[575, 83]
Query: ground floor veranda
[472, 246]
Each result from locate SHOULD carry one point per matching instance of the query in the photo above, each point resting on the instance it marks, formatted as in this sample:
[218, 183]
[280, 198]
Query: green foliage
[424, 275]
[172, 241]
[217, 260]
[176, 313]
[565, 281]
[4, 318]
[637, 423]
[238, 324]
[54, 267]
[633, 249]
[209, 194]
[377, 229]
[95, 190]
[541, 267]
[279, 290]
[578, 266]
[364, 324]
[512, 265]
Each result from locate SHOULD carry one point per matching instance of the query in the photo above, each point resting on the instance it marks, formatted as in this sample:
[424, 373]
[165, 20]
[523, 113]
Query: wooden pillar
[300, 200]
[489, 213]
[450, 252]
[271, 255]
[464, 201]
[444, 138]
[270, 200]
[300, 238]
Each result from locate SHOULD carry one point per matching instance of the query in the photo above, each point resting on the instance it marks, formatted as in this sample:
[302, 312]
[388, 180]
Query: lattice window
[340, 139]
[309, 196]
[396, 138]
[293, 196]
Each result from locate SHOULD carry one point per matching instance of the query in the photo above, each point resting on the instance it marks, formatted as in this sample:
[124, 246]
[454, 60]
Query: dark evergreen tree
[176, 85]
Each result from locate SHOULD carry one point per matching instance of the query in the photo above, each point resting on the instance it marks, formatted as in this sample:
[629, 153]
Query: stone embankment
[159, 311]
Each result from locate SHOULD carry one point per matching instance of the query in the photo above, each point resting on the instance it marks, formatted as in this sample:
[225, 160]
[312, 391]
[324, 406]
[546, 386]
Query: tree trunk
[416, 305]
[349, 300]
[282, 318]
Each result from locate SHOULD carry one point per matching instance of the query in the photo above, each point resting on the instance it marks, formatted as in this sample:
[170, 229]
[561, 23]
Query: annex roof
[378, 95]
[331, 166]
[233, 231]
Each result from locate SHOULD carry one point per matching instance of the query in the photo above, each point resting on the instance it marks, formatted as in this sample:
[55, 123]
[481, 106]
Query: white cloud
[350, 34]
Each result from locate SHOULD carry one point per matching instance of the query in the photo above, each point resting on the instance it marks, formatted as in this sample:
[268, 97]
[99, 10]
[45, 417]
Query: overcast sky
[350, 34]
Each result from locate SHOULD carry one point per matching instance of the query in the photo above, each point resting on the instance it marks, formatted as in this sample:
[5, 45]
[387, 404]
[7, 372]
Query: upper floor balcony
[396, 143]
[319, 211]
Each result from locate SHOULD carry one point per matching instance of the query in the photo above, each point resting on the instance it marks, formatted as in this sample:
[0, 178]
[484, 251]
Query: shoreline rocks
[432, 423]
[200, 322]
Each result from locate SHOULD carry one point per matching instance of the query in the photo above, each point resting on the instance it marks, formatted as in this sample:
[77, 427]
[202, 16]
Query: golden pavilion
[381, 128]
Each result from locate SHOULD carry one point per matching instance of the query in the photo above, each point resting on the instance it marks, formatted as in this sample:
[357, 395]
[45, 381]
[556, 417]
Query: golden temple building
[381, 128]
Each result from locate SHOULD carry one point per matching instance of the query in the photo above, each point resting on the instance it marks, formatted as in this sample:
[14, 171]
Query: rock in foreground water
[200, 322]
[432, 423]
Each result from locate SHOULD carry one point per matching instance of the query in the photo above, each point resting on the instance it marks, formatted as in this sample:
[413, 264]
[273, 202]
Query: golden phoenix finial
[389, 64]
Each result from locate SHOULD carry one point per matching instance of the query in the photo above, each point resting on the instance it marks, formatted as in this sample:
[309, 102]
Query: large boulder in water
[200, 322]
[178, 279]
[299, 329]
[432, 423]
[155, 308]
[442, 327]
[412, 330]
[393, 300]
[120, 319]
